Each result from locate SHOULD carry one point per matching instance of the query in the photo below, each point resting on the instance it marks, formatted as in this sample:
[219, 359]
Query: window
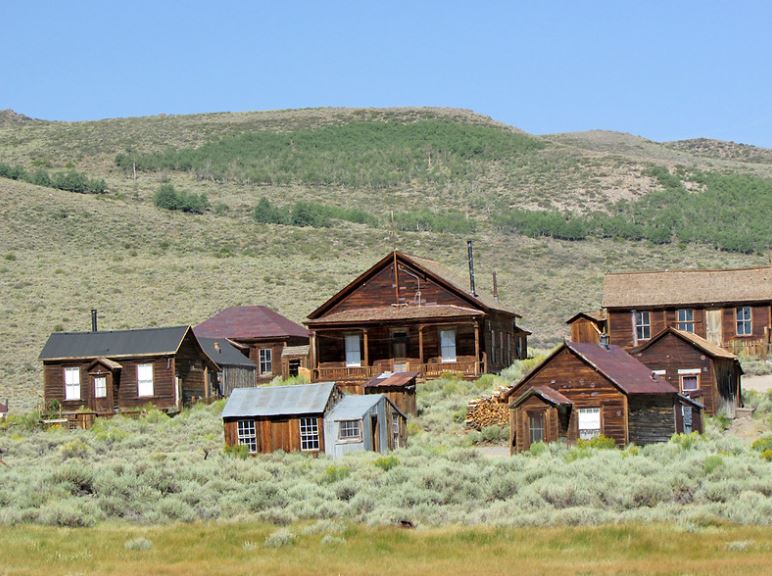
[690, 379]
[536, 427]
[448, 345]
[686, 412]
[353, 351]
[589, 423]
[144, 380]
[266, 361]
[685, 319]
[350, 430]
[309, 434]
[247, 434]
[100, 387]
[72, 383]
[744, 322]
[642, 320]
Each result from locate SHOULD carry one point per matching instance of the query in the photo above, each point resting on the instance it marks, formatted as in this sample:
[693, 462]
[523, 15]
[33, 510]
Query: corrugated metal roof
[246, 322]
[632, 376]
[113, 343]
[545, 393]
[392, 379]
[352, 407]
[278, 400]
[683, 287]
[225, 354]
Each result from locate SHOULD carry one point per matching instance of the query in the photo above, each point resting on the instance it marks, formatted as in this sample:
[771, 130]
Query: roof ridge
[739, 269]
[145, 329]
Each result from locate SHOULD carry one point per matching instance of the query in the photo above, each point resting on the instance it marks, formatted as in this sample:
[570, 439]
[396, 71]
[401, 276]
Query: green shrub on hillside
[313, 214]
[168, 198]
[70, 181]
[452, 221]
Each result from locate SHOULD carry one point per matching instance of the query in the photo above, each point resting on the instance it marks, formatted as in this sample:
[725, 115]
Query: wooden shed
[264, 332]
[294, 361]
[398, 387]
[583, 390]
[270, 418]
[587, 326]
[369, 422]
[696, 367]
[234, 368]
[730, 308]
[107, 372]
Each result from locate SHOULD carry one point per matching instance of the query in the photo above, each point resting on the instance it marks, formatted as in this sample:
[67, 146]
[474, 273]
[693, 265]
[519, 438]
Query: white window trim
[351, 338]
[310, 422]
[748, 321]
[260, 361]
[641, 325]
[150, 382]
[449, 359]
[96, 393]
[349, 439]
[69, 387]
[689, 371]
[659, 372]
[589, 410]
[247, 437]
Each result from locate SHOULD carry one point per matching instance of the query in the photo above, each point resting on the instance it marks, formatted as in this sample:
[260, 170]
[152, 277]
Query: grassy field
[240, 548]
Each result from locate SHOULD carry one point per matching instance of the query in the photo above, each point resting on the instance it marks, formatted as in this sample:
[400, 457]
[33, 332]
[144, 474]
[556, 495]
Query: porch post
[364, 343]
[421, 343]
[313, 355]
[476, 349]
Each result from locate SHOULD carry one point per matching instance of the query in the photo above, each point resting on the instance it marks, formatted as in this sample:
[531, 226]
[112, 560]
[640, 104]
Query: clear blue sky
[664, 69]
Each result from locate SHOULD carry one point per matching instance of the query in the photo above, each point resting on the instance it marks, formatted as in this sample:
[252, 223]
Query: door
[376, 434]
[280, 437]
[713, 332]
[294, 367]
[100, 394]
[399, 345]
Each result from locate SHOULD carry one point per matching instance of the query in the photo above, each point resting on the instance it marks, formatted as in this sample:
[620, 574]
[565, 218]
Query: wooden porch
[751, 348]
[465, 368]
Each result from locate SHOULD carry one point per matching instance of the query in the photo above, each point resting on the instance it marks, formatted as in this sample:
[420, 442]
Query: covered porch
[352, 353]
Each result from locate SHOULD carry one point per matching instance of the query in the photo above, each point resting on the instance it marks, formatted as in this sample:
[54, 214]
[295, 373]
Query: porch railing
[751, 348]
[466, 368]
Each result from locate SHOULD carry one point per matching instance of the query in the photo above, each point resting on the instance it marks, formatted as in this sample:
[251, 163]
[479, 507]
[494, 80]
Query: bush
[387, 462]
[282, 537]
[600, 442]
[168, 198]
[138, 544]
[762, 444]
[70, 181]
[240, 451]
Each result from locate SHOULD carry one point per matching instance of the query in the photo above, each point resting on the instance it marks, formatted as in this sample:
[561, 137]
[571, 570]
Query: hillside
[64, 253]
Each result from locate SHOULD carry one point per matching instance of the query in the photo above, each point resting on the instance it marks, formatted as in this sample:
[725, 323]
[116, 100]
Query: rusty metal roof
[247, 322]
[392, 379]
[545, 393]
[709, 348]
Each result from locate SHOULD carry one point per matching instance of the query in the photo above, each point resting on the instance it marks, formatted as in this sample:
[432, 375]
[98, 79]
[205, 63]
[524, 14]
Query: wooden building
[264, 333]
[294, 361]
[399, 387]
[588, 326]
[313, 418]
[697, 368]
[729, 308]
[583, 390]
[107, 372]
[234, 368]
[407, 314]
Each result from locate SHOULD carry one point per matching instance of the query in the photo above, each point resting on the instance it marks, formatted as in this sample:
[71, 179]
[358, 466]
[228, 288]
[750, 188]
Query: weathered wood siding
[520, 433]
[584, 330]
[275, 433]
[651, 419]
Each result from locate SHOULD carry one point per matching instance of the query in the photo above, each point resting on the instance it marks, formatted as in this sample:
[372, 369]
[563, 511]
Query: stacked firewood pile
[488, 410]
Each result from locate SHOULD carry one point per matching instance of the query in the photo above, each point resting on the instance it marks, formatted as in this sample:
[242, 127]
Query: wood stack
[490, 410]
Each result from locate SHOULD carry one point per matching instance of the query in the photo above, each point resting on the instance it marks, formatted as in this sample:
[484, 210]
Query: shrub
[600, 442]
[387, 462]
[266, 213]
[335, 473]
[168, 198]
[240, 451]
[712, 463]
[279, 538]
[762, 444]
[138, 544]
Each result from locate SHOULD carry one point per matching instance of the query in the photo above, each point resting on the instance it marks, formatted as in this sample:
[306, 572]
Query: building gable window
[266, 361]
[685, 319]
[642, 324]
[309, 433]
[589, 423]
[350, 430]
[353, 351]
[744, 321]
[689, 379]
[448, 345]
[72, 383]
[536, 427]
[145, 380]
[100, 387]
[247, 434]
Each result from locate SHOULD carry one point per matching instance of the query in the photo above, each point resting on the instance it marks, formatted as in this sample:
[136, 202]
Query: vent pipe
[471, 268]
[495, 287]
[604, 340]
[93, 320]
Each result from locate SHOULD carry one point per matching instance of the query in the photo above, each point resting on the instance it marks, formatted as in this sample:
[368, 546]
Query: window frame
[536, 417]
[352, 429]
[748, 322]
[310, 440]
[685, 324]
[593, 432]
[96, 388]
[349, 351]
[262, 361]
[640, 325]
[689, 373]
[443, 347]
[246, 434]
[68, 385]
[145, 382]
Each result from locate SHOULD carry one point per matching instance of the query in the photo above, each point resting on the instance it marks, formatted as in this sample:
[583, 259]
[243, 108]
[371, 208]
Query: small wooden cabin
[729, 308]
[107, 372]
[699, 369]
[235, 369]
[294, 361]
[264, 333]
[370, 422]
[587, 326]
[408, 314]
[270, 418]
[399, 387]
[583, 390]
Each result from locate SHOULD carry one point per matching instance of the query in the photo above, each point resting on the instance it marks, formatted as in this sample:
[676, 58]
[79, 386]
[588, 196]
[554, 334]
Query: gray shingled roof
[227, 355]
[113, 343]
[278, 400]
